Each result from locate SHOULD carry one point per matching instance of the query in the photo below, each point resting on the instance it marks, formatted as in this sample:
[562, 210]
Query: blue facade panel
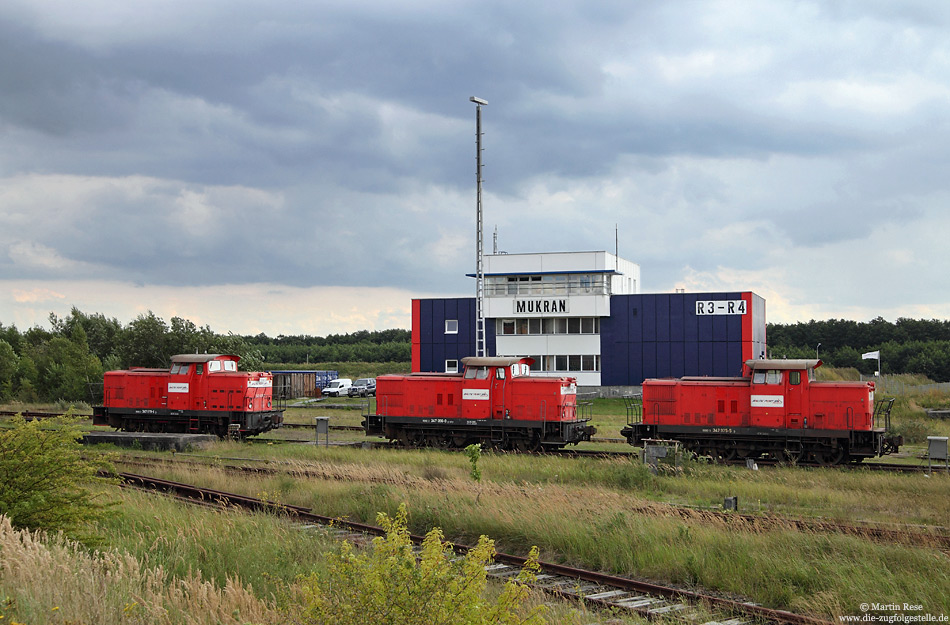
[663, 318]
[425, 312]
[635, 358]
[435, 346]
[663, 368]
[649, 359]
[677, 320]
[648, 313]
[720, 324]
[677, 359]
[646, 336]
[691, 356]
[634, 320]
[690, 319]
[721, 364]
[438, 356]
[705, 358]
[734, 358]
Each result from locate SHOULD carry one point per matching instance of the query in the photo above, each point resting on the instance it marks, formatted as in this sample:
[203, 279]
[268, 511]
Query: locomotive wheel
[830, 457]
[439, 441]
[528, 445]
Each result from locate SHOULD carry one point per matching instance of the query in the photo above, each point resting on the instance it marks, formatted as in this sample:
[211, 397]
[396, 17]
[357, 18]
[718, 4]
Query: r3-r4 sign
[721, 307]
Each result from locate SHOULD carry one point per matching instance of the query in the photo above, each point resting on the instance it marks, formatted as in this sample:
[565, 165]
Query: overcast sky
[309, 167]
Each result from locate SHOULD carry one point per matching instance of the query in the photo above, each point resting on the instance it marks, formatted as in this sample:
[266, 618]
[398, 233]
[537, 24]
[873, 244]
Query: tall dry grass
[620, 529]
[47, 579]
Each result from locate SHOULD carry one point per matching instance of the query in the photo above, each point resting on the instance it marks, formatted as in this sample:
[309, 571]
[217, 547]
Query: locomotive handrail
[634, 407]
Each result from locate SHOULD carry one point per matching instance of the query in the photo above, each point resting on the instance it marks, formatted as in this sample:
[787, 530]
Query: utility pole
[479, 235]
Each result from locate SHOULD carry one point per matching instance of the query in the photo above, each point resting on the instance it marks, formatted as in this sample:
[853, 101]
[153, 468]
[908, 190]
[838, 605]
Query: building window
[451, 326]
[542, 326]
[451, 366]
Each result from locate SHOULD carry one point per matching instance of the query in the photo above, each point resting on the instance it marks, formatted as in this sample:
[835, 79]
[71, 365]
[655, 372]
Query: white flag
[876, 354]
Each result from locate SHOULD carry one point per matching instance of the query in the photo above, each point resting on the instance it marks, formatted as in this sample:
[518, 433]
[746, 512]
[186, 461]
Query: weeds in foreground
[48, 579]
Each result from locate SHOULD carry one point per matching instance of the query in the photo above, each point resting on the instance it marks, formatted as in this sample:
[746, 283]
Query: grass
[169, 562]
[45, 579]
[600, 513]
[613, 515]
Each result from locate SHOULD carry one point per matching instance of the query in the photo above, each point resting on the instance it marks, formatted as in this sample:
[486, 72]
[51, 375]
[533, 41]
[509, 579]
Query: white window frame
[452, 365]
[451, 326]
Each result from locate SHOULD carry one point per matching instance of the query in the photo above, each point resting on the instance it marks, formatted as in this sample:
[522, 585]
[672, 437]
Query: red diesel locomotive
[200, 393]
[494, 401]
[777, 410]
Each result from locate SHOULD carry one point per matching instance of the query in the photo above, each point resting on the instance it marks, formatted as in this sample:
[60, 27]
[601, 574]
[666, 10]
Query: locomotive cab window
[481, 373]
[179, 369]
[770, 376]
[499, 373]
[214, 365]
[230, 365]
[794, 377]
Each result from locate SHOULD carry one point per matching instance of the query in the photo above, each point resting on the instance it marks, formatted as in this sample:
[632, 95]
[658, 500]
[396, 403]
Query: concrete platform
[150, 441]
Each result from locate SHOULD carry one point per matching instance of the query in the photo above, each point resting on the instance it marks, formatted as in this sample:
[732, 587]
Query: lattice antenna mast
[479, 234]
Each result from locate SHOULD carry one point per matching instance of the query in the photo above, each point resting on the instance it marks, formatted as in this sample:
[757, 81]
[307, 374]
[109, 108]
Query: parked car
[363, 387]
[337, 387]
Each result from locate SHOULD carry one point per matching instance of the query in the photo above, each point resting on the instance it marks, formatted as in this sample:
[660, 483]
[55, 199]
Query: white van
[337, 387]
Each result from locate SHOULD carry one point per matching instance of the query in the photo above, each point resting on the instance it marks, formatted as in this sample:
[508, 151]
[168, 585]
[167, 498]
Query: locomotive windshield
[179, 369]
[219, 365]
[767, 376]
[476, 373]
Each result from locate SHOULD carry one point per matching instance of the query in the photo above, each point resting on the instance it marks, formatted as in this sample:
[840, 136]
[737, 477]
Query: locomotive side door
[794, 389]
[767, 401]
[476, 393]
[498, 387]
[179, 387]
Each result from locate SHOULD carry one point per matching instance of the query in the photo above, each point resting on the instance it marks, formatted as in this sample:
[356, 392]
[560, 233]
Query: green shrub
[389, 584]
[44, 481]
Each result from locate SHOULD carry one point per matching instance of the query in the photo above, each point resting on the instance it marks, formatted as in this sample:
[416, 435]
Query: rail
[608, 591]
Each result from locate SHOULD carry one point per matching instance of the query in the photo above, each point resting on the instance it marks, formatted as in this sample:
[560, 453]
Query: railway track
[652, 601]
[935, 537]
[870, 466]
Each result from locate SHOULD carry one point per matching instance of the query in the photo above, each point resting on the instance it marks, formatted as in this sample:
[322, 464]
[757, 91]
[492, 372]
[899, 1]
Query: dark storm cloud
[334, 143]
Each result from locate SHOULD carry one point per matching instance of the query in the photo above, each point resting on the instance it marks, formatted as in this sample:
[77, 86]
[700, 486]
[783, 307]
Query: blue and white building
[582, 314]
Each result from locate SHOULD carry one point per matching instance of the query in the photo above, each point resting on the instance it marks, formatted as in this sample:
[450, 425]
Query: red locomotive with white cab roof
[199, 393]
[494, 401]
[777, 409]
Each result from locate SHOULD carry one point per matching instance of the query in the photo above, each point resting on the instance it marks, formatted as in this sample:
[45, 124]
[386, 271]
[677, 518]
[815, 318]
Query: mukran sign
[541, 306]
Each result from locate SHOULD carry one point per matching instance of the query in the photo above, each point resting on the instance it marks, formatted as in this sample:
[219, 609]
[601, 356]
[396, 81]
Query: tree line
[67, 361]
[61, 363]
[919, 346]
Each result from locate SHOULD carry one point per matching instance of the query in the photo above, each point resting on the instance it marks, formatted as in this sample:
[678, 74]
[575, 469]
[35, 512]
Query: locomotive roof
[802, 363]
[496, 361]
[202, 357]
